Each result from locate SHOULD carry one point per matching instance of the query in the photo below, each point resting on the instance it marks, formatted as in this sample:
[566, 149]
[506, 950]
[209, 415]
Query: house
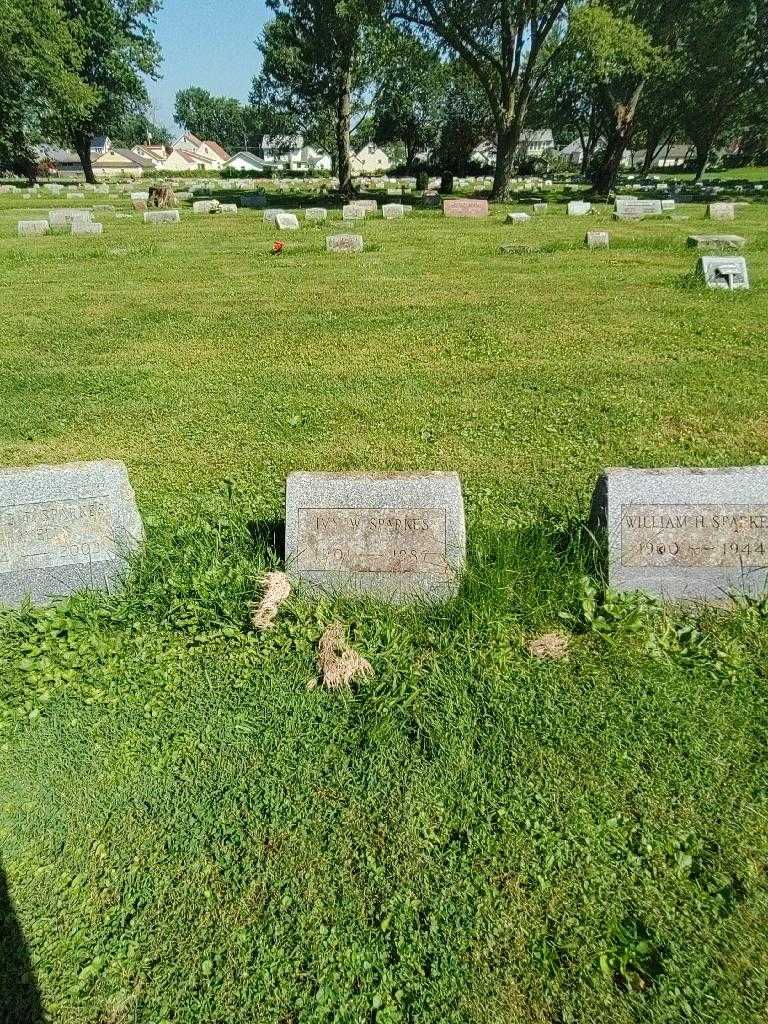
[671, 155]
[245, 161]
[535, 142]
[100, 144]
[208, 155]
[164, 158]
[288, 152]
[116, 162]
[60, 160]
[370, 159]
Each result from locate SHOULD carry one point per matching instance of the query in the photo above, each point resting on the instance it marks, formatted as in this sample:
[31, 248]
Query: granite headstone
[728, 272]
[65, 528]
[465, 207]
[696, 534]
[396, 536]
[344, 243]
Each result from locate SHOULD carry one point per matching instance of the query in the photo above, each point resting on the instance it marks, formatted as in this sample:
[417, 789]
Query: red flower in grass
[278, 246]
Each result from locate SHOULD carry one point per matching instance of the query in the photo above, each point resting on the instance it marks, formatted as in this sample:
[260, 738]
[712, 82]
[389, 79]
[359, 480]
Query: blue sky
[210, 43]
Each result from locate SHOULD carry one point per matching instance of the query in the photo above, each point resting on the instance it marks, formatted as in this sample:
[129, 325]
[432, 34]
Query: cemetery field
[188, 831]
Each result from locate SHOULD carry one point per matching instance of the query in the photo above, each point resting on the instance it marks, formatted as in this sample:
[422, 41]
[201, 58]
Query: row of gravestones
[679, 534]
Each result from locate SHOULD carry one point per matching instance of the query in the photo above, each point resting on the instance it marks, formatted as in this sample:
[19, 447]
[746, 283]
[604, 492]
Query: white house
[208, 155]
[370, 159]
[288, 152]
[245, 161]
[533, 142]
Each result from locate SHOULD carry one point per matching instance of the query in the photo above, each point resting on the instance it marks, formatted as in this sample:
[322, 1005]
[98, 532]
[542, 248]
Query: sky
[210, 43]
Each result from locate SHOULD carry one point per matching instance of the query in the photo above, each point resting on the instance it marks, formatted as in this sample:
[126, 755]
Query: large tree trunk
[83, 147]
[343, 122]
[508, 129]
[619, 140]
[651, 146]
[703, 149]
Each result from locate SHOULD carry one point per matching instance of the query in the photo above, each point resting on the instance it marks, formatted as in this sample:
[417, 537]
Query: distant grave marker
[316, 213]
[205, 206]
[287, 222]
[696, 534]
[352, 212]
[465, 207]
[162, 217]
[65, 528]
[597, 240]
[344, 243]
[577, 208]
[33, 227]
[716, 241]
[393, 211]
[721, 211]
[86, 227]
[518, 218]
[396, 536]
[629, 208]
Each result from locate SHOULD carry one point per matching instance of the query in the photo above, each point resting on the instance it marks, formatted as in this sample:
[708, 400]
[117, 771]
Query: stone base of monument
[686, 534]
[65, 528]
[398, 537]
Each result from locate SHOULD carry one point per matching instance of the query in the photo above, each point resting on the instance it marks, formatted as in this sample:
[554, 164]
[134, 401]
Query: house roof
[216, 149]
[190, 138]
[134, 158]
[537, 135]
[99, 141]
[196, 158]
[56, 154]
[249, 158]
[282, 142]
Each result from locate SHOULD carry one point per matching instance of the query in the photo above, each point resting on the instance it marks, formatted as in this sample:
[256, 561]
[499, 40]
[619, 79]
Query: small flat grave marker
[686, 534]
[396, 536]
[65, 528]
[205, 206]
[369, 205]
[716, 241]
[465, 207]
[270, 216]
[721, 211]
[598, 240]
[86, 227]
[64, 215]
[344, 243]
[228, 208]
[393, 211]
[287, 222]
[540, 207]
[577, 208]
[316, 213]
[162, 217]
[33, 227]
[518, 218]
[724, 271]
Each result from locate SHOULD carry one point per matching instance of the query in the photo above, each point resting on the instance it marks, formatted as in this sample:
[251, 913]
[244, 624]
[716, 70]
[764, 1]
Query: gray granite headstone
[369, 205]
[270, 216]
[392, 211]
[724, 272]
[316, 213]
[686, 534]
[344, 243]
[162, 217]
[577, 208]
[227, 208]
[65, 215]
[721, 211]
[287, 222]
[33, 227]
[65, 528]
[629, 208]
[518, 218]
[597, 240]
[352, 212]
[716, 241]
[540, 207]
[396, 536]
[205, 206]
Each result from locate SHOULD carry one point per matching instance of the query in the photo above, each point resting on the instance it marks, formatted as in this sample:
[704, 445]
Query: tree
[115, 48]
[315, 61]
[502, 42]
[37, 82]
[614, 43]
[136, 128]
[467, 119]
[724, 57]
[411, 86]
[221, 118]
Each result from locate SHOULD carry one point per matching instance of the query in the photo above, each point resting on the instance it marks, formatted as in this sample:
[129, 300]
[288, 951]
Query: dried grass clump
[337, 663]
[277, 588]
[554, 646]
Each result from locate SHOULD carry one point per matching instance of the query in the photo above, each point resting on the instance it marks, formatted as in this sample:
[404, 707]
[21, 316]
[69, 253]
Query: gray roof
[250, 158]
[56, 154]
[537, 135]
[140, 161]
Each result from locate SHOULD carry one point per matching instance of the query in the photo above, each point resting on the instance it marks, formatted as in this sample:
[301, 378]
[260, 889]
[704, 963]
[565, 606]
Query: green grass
[190, 834]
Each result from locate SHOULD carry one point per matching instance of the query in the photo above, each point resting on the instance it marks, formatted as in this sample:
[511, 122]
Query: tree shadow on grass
[20, 1001]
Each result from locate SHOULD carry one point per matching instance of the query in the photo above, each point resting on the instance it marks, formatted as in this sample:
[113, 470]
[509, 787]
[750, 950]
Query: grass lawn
[190, 834]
